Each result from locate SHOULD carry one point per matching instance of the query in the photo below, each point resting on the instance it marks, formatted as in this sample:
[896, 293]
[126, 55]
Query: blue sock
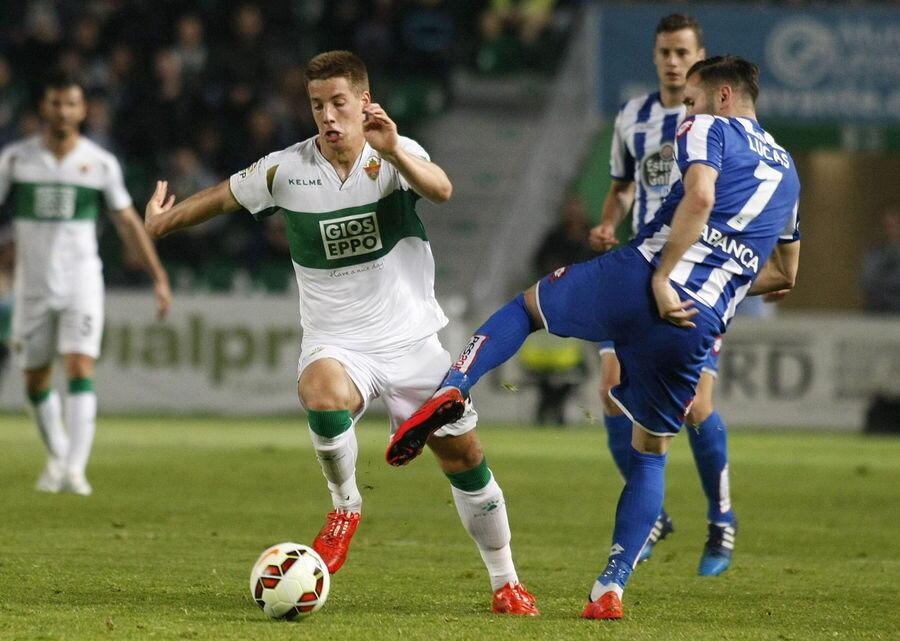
[618, 437]
[709, 442]
[493, 343]
[639, 506]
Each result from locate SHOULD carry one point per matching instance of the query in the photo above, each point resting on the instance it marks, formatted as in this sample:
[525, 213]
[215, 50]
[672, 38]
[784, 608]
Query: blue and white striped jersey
[643, 151]
[757, 196]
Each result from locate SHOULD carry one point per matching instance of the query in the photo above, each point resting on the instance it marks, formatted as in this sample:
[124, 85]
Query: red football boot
[608, 606]
[447, 406]
[333, 540]
[514, 599]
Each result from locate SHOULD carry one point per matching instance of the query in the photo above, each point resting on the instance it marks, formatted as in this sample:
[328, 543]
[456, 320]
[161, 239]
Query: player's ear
[726, 94]
[365, 97]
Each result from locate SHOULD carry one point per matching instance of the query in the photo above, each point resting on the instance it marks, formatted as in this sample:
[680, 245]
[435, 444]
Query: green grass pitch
[182, 507]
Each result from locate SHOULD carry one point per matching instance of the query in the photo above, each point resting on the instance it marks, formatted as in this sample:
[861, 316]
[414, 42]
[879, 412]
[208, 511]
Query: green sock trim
[81, 385]
[37, 398]
[329, 423]
[471, 480]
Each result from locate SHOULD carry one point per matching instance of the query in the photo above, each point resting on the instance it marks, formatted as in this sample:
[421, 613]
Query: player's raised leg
[331, 399]
[618, 435]
[46, 410]
[493, 343]
[639, 505]
[81, 420]
[709, 442]
[478, 497]
[482, 510]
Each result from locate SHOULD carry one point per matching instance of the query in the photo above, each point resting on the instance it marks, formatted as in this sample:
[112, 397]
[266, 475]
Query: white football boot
[51, 479]
[76, 483]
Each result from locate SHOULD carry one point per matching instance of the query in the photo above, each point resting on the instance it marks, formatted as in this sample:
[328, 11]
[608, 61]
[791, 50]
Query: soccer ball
[289, 580]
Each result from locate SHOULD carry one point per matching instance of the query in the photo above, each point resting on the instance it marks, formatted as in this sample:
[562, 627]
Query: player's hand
[774, 297]
[670, 306]
[158, 203]
[380, 131]
[603, 237]
[163, 295]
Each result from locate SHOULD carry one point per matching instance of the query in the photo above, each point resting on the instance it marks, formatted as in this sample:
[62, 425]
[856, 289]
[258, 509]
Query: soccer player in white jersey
[367, 307]
[641, 161]
[58, 183]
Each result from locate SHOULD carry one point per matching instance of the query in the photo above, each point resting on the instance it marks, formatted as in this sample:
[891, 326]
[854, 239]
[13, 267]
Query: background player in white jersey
[641, 161]
[366, 277]
[58, 182]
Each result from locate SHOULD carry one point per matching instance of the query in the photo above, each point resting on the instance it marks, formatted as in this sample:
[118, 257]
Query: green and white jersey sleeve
[362, 259]
[55, 204]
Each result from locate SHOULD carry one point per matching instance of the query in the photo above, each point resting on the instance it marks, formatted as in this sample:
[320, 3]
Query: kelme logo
[350, 235]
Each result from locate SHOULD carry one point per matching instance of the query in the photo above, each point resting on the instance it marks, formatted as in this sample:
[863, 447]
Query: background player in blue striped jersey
[727, 229]
[641, 162]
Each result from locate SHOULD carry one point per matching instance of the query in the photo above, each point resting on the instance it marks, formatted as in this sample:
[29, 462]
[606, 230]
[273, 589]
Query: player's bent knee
[647, 443]
[610, 407]
[699, 412]
[529, 298]
[327, 387]
[457, 453]
[325, 402]
[37, 379]
[79, 366]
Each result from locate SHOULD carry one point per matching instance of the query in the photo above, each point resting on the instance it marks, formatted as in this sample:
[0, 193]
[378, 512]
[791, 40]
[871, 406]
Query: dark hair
[742, 74]
[336, 64]
[58, 79]
[679, 21]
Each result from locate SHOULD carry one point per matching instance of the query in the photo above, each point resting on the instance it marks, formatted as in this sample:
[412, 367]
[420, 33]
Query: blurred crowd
[193, 91]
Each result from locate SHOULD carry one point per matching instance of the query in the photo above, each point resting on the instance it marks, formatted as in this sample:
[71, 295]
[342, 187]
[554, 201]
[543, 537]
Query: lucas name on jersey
[760, 146]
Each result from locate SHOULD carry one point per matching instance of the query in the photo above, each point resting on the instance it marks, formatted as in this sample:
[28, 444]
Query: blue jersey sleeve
[700, 139]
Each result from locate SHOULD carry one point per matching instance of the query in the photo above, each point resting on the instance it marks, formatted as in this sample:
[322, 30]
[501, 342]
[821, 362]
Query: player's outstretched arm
[687, 223]
[424, 176]
[131, 230]
[779, 273]
[618, 201]
[164, 216]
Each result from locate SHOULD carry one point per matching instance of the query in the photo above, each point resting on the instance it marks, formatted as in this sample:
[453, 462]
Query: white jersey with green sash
[363, 262]
[55, 204]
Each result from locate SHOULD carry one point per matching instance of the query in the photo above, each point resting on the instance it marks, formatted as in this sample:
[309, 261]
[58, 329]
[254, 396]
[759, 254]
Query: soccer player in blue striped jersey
[641, 163]
[728, 228]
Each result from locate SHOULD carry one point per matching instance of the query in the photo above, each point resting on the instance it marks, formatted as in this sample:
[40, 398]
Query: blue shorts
[609, 299]
[711, 365]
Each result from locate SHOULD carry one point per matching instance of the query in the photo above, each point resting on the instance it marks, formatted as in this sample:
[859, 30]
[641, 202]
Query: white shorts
[43, 327]
[403, 379]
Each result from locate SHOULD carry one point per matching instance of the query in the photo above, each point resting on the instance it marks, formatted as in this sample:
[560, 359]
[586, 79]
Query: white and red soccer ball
[289, 581]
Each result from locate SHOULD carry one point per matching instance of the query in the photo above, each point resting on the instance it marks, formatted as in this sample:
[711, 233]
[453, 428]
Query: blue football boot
[716, 557]
[661, 529]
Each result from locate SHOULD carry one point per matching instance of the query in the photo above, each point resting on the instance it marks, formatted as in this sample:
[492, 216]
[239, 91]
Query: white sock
[337, 456]
[81, 419]
[599, 589]
[48, 416]
[483, 514]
